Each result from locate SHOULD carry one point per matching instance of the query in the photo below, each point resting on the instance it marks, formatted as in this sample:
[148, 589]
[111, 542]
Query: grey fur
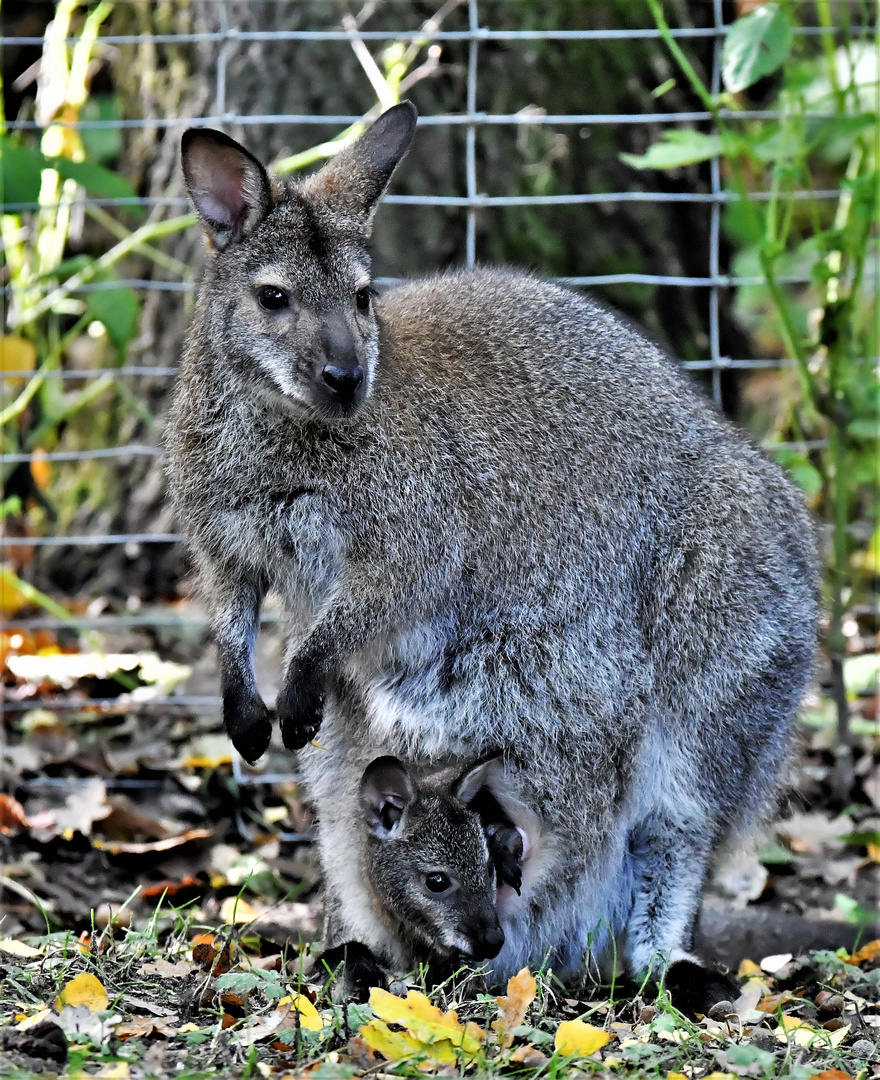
[530, 535]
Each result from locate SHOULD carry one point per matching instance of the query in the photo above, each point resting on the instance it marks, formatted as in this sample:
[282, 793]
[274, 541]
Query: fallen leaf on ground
[79, 1022]
[521, 990]
[309, 1017]
[12, 815]
[143, 1027]
[869, 952]
[399, 1045]
[84, 989]
[429, 1031]
[262, 1027]
[18, 948]
[793, 1029]
[576, 1038]
[773, 964]
[119, 847]
[236, 911]
[530, 1057]
[831, 1074]
[167, 970]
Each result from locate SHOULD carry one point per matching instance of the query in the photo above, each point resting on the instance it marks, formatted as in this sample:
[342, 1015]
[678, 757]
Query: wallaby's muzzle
[342, 380]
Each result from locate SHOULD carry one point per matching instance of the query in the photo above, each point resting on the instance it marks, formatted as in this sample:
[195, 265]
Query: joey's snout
[490, 943]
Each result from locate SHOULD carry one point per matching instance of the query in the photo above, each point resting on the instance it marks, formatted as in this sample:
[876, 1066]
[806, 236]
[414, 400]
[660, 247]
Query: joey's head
[428, 861]
[286, 304]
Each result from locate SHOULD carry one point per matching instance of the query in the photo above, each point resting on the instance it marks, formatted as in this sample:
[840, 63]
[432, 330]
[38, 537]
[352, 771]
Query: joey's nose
[343, 381]
[491, 943]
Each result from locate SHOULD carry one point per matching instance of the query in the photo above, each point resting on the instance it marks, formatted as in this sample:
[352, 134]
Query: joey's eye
[438, 883]
[272, 299]
[362, 299]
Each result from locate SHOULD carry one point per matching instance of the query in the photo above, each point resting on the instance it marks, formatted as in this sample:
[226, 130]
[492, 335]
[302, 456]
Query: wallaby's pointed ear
[468, 786]
[386, 790]
[230, 189]
[355, 180]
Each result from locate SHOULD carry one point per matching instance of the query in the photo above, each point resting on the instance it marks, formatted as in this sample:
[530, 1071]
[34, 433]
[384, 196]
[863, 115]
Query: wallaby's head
[287, 301]
[428, 859]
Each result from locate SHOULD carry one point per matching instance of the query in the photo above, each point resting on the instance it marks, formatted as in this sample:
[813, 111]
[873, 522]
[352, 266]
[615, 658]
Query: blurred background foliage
[818, 395]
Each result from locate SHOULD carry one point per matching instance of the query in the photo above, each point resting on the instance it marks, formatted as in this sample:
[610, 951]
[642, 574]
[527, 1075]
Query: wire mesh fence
[222, 38]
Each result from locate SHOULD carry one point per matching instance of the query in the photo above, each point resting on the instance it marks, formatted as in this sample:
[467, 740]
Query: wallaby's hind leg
[669, 866]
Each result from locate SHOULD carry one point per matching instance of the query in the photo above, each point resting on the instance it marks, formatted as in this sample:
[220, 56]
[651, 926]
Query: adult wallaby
[502, 521]
[429, 869]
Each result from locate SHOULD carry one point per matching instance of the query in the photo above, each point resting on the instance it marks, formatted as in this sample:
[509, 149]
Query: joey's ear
[230, 189]
[467, 787]
[355, 180]
[386, 790]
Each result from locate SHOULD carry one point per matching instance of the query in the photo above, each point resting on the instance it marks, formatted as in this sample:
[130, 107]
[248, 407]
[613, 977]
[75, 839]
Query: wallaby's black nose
[343, 381]
[493, 939]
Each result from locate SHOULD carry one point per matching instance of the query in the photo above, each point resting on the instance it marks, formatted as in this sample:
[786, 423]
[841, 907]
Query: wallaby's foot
[354, 970]
[695, 989]
[300, 705]
[248, 724]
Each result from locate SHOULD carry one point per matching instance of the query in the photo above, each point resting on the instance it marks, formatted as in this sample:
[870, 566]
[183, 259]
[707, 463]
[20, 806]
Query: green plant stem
[789, 330]
[125, 247]
[160, 258]
[22, 401]
[73, 406]
[687, 68]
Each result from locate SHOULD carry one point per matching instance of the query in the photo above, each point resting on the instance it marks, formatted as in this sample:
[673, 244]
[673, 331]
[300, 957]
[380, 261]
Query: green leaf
[101, 144]
[756, 45]
[862, 673]
[805, 475]
[94, 178]
[677, 148]
[118, 309]
[22, 168]
[22, 172]
[864, 428]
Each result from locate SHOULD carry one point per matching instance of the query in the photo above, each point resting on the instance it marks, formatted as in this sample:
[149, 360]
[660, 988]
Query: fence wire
[479, 34]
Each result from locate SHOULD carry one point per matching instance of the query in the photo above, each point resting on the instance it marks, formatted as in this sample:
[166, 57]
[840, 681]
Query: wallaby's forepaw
[354, 971]
[300, 705]
[248, 723]
[695, 989]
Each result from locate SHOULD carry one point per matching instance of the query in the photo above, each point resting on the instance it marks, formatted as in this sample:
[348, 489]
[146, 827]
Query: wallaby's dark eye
[362, 299]
[437, 883]
[271, 299]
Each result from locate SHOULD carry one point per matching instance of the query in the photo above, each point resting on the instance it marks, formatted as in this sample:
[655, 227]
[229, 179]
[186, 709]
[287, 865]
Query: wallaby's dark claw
[695, 989]
[249, 725]
[300, 706]
[356, 971]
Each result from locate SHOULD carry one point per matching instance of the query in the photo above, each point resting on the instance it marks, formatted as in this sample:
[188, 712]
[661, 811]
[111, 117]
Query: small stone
[721, 1010]
[105, 914]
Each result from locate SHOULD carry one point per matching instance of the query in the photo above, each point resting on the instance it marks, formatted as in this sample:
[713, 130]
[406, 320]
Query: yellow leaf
[235, 910]
[672, 1076]
[792, 1029]
[425, 1021]
[18, 948]
[84, 989]
[575, 1038]
[397, 1045]
[521, 990]
[749, 967]
[32, 1021]
[17, 354]
[309, 1017]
